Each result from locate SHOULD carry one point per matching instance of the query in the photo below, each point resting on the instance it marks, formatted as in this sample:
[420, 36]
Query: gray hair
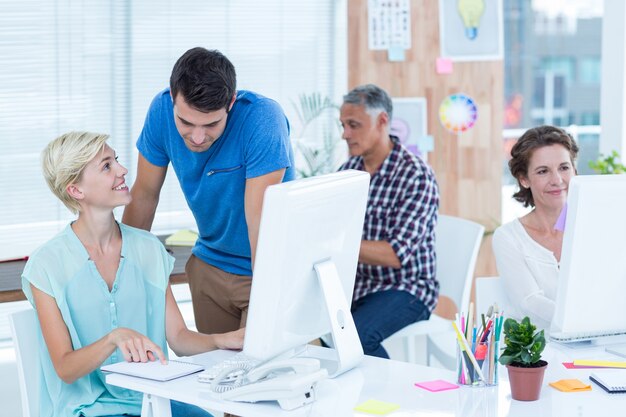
[373, 98]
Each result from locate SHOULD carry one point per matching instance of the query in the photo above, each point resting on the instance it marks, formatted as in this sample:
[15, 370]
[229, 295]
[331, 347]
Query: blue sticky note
[395, 53]
[426, 143]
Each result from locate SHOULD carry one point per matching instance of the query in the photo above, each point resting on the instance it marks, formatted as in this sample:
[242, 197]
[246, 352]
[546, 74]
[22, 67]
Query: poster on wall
[389, 24]
[471, 30]
[409, 125]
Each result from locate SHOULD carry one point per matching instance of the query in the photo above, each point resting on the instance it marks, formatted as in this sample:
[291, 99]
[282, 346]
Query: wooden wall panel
[468, 167]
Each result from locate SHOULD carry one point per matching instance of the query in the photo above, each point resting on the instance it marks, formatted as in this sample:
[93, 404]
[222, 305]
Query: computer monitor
[305, 267]
[591, 294]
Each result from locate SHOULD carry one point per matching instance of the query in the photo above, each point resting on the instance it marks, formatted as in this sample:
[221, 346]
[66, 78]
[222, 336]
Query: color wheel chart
[458, 113]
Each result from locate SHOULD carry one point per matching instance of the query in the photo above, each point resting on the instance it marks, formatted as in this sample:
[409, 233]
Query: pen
[485, 332]
[466, 349]
[497, 332]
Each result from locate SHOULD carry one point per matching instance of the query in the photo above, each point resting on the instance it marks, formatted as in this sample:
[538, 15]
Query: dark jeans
[379, 315]
[181, 410]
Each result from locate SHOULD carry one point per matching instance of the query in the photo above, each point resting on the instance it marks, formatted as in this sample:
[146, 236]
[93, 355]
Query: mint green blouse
[62, 269]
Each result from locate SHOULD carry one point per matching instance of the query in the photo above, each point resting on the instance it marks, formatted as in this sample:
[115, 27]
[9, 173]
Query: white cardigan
[529, 273]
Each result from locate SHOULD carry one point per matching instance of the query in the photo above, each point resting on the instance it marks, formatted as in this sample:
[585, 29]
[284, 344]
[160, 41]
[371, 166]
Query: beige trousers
[220, 299]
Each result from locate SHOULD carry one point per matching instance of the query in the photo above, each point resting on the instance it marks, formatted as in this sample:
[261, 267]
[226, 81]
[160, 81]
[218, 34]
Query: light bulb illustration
[471, 11]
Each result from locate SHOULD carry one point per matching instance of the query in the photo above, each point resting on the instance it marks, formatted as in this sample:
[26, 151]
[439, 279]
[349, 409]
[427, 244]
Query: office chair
[490, 290]
[24, 326]
[457, 244]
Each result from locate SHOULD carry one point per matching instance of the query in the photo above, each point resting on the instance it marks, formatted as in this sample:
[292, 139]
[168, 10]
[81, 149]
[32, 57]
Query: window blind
[96, 65]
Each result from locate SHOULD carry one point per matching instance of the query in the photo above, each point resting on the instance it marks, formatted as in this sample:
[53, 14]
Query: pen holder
[483, 358]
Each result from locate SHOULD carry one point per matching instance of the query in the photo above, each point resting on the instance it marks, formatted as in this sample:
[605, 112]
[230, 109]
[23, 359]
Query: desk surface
[393, 381]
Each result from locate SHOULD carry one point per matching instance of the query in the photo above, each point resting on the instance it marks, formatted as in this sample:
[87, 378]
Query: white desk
[393, 381]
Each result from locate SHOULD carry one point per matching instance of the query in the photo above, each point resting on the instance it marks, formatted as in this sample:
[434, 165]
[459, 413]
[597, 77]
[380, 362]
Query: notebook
[154, 370]
[619, 350]
[612, 382]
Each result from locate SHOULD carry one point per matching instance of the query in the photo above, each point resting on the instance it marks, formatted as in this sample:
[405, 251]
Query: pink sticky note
[560, 222]
[437, 385]
[570, 365]
[444, 66]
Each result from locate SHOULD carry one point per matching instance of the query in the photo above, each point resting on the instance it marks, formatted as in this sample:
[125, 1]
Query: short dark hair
[205, 78]
[372, 97]
[529, 142]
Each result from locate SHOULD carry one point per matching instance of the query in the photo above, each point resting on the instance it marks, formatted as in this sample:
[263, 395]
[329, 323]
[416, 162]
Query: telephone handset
[294, 365]
[291, 382]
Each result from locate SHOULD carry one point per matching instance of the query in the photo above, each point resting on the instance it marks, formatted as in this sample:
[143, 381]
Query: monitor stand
[347, 345]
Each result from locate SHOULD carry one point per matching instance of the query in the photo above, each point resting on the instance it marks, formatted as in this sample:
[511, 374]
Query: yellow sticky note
[570, 385]
[182, 238]
[600, 364]
[379, 408]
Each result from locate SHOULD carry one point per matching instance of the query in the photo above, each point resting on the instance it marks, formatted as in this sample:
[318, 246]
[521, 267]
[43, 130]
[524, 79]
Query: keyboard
[235, 367]
[565, 337]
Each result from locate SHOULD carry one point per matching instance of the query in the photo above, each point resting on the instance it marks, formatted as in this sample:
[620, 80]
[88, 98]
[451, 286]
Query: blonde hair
[64, 160]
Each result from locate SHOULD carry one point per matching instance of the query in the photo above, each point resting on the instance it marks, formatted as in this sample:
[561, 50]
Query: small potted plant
[522, 357]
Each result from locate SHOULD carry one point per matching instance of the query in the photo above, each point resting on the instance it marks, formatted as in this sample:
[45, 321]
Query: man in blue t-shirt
[226, 147]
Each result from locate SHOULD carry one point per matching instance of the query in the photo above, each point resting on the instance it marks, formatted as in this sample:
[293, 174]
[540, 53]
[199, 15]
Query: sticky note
[570, 365]
[395, 53]
[570, 385]
[380, 408]
[426, 143]
[444, 66]
[437, 385]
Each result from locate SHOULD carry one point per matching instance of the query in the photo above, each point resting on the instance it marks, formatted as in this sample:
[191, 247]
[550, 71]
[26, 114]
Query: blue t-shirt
[62, 269]
[255, 142]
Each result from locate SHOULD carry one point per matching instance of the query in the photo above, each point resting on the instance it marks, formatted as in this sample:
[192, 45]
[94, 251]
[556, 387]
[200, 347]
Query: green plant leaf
[523, 343]
[608, 164]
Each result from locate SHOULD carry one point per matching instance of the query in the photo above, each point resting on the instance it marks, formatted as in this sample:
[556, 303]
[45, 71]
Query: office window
[551, 71]
[97, 65]
[590, 70]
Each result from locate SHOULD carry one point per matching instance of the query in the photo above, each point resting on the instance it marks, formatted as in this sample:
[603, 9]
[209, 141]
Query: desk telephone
[291, 382]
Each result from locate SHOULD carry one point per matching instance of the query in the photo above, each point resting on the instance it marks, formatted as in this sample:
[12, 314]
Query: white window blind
[96, 65]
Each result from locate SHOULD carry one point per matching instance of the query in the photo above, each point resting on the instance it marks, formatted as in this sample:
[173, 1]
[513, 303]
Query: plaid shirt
[402, 210]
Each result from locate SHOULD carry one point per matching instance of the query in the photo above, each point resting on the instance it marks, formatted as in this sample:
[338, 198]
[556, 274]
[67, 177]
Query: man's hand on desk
[231, 340]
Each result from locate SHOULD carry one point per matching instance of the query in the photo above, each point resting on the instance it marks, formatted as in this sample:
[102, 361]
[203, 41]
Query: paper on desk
[570, 365]
[599, 364]
[182, 238]
[379, 408]
[437, 385]
[570, 385]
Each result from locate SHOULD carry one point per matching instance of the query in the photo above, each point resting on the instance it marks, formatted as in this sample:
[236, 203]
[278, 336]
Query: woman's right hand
[136, 347]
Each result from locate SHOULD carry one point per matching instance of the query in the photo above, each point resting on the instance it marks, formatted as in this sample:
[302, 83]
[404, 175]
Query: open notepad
[613, 381]
[154, 370]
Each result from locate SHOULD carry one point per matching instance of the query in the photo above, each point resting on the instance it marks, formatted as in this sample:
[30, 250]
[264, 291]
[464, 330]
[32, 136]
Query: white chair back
[457, 244]
[489, 290]
[24, 326]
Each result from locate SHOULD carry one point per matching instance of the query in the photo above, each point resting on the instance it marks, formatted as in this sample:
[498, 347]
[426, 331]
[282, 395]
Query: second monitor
[592, 278]
[305, 267]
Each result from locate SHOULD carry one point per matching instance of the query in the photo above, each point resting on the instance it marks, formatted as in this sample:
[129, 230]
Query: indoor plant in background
[522, 357]
[319, 119]
[608, 164]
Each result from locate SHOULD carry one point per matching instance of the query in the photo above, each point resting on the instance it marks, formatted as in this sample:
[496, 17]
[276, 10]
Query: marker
[464, 347]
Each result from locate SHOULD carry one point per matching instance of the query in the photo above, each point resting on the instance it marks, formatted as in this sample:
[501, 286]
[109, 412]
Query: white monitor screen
[303, 223]
[592, 278]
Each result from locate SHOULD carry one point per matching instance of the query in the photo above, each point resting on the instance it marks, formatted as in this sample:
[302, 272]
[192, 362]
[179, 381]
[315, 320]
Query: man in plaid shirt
[395, 281]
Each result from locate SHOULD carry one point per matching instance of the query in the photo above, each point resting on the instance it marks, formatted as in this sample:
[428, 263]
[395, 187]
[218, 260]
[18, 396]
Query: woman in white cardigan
[528, 249]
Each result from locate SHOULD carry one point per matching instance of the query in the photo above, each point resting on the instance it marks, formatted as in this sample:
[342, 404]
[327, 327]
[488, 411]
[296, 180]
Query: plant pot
[526, 382]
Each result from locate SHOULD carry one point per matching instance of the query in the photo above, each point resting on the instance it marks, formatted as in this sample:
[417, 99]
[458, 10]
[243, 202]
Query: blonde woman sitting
[101, 289]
